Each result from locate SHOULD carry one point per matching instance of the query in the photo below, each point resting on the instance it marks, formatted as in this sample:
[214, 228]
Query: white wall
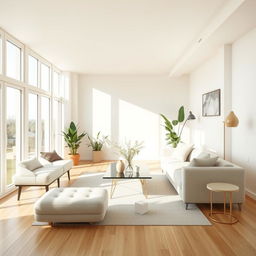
[207, 131]
[128, 107]
[243, 100]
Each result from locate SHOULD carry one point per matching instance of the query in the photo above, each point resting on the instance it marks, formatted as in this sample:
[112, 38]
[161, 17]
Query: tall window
[32, 71]
[13, 61]
[45, 77]
[1, 55]
[13, 131]
[32, 125]
[45, 124]
[56, 83]
[57, 125]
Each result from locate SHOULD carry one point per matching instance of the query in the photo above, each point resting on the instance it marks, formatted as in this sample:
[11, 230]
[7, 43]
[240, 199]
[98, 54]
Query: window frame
[22, 121]
[17, 43]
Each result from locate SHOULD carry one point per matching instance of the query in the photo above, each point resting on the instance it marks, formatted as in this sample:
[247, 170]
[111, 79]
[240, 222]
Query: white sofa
[190, 182]
[44, 176]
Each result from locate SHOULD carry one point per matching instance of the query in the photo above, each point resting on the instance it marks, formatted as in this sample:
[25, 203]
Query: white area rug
[165, 205]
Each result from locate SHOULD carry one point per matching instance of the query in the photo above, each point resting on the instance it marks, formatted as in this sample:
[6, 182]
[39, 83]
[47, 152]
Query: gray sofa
[190, 182]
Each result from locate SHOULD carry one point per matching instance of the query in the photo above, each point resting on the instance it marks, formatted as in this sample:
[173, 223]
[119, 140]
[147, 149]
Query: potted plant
[128, 151]
[96, 144]
[73, 141]
[174, 128]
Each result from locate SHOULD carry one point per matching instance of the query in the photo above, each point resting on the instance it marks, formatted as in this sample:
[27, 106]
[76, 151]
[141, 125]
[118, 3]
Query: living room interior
[127, 127]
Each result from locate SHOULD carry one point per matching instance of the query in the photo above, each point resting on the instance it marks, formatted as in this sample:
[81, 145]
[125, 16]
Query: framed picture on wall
[211, 103]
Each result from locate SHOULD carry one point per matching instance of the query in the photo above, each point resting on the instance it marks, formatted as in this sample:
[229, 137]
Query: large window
[32, 71]
[45, 124]
[32, 125]
[31, 110]
[13, 131]
[56, 84]
[1, 54]
[13, 60]
[45, 77]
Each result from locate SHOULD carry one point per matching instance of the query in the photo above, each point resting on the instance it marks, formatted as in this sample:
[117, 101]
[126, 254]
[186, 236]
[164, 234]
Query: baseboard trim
[250, 194]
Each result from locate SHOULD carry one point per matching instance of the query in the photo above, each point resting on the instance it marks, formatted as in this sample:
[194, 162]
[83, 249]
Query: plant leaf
[181, 115]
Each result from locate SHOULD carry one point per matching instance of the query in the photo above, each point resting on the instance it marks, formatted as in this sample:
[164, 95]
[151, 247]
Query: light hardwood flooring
[18, 237]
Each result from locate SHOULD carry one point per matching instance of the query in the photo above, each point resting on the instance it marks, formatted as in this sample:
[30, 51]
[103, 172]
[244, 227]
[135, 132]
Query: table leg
[144, 187]
[113, 187]
[211, 202]
[230, 205]
[225, 202]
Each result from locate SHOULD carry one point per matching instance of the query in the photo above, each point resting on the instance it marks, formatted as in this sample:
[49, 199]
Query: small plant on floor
[128, 151]
[98, 142]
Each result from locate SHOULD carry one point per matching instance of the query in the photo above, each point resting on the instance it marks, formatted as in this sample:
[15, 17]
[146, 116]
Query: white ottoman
[141, 207]
[72, 205]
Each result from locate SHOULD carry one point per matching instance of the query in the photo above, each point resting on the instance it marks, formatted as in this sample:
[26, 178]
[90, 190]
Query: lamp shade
[231, 120]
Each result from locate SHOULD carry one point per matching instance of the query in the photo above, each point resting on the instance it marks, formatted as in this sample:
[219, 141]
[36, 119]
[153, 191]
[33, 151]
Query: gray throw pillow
[31, 164]
[204, 162]
[50, 156]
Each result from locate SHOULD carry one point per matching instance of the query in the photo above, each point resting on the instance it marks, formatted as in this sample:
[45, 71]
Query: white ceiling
[109, 36]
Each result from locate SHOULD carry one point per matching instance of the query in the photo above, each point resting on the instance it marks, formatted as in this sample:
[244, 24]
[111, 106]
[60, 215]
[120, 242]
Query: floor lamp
[230, 121]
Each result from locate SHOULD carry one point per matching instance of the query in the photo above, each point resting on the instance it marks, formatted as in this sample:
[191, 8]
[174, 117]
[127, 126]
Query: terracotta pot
[96, 156]
[75, 158]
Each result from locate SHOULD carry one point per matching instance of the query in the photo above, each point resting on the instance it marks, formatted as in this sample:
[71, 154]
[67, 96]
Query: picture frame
[211, 103]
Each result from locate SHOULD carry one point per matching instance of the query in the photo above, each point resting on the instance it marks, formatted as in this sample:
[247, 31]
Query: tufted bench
[72, 204]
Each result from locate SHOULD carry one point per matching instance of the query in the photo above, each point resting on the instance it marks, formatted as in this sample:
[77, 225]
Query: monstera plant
[175, 127]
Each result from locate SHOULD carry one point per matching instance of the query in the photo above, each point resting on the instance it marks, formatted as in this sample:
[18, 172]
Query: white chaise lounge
[72, 204]
[43, 176]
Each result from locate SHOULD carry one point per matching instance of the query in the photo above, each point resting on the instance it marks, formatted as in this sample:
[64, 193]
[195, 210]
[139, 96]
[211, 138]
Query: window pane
[45, 124]
[32, 125]
[32, 71]
[13, 126]
[57, 126]
[56, 83]
[13, 61]
[1, 55]
[45, 77]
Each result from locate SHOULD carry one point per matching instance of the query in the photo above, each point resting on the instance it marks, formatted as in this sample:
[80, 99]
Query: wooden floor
[18, 237]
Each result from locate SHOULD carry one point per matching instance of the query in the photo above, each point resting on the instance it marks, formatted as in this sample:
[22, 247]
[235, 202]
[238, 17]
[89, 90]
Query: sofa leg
[58, 181]
[240, 206]
[19, 192]
[47, 188]
[186, 206]
[68, 174]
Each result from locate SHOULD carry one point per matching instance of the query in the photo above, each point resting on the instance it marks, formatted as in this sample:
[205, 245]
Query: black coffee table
[143, 175]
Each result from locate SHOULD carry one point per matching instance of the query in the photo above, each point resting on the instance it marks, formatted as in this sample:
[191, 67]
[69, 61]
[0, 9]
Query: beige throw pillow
[204, 162]
[50, 156]
[182, 151]
[31, 164]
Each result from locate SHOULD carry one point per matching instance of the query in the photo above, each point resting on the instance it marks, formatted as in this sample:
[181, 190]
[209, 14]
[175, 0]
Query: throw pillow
[197, 153]
[31, 164]
[204, 162]
[182, 151]
[50, 156]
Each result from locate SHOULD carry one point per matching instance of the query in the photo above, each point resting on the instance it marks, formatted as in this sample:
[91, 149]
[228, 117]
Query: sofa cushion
[204, 162]
[31, 164]
[46, 175]
[50, 156]
[197, 153]
[182, 151]
[65, 164]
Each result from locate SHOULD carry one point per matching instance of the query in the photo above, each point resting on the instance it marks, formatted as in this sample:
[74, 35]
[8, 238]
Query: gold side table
[225, 188]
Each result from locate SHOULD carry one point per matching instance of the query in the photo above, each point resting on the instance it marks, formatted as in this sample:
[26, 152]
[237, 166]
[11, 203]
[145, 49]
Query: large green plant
[72, 138]
[98, 142]
[173, 128]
